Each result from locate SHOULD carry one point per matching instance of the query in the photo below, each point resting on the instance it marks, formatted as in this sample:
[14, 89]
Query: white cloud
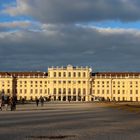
[15, 24]
[20, 8]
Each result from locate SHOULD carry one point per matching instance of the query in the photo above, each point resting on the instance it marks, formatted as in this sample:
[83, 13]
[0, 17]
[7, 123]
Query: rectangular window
[64, 74]
[69, 74]
[74, 91]
[54, 74]
[79, 74]
[59, 90]
[45, 91]
[8, 90]
[36, 91]
[54, 90]
[74, 74]
[79, 82]
[31, 91]
[84, 91]
[59, 74]
[113, 91]
[84, 74]
[118, 91]
[107, 91]
[102, 91]
[79, 91]
[64, 90]
[69, 90]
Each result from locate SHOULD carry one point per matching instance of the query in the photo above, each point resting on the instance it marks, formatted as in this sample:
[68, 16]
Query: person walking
[11, 103]
[42, 101]
[6, 102]
[37, 101]
[14, 103]
[0, 104]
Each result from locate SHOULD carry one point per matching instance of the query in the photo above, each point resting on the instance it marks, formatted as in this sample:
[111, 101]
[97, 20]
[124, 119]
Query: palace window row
[33, 86]
[31, 91]
[116, 92]
[32, 82]
[69, 91]
[69, 82]
[69, 74]
[5, 91]
[117, 82]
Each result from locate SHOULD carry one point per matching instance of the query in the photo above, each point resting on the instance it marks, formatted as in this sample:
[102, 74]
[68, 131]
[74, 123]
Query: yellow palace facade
[71, 84]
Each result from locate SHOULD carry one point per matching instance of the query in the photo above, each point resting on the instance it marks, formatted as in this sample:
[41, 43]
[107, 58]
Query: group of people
[41, 99]
[7, 102]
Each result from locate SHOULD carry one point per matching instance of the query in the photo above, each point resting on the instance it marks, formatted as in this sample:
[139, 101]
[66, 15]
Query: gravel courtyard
[69, 121]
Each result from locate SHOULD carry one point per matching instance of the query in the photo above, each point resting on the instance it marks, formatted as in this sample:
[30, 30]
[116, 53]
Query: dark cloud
[107, 49]
[55, 39]
[73, 11]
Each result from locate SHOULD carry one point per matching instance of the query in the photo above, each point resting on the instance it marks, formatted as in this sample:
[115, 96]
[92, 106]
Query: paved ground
[77, 121]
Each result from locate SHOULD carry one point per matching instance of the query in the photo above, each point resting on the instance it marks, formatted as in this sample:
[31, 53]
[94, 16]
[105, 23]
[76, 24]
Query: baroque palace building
[71, 84]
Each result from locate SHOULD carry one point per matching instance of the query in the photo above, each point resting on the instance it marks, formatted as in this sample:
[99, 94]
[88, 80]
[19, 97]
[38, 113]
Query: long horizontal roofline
[116, 74]
[23, 73]
[46, 74]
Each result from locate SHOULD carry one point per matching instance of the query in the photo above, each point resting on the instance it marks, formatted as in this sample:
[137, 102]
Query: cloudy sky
[37, 34]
